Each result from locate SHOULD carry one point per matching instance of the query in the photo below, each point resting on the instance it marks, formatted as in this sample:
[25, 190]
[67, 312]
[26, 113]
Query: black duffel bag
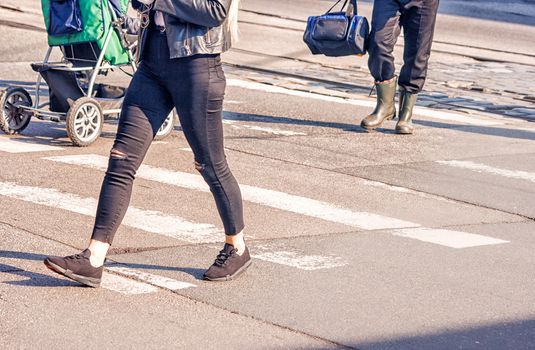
[336, 34]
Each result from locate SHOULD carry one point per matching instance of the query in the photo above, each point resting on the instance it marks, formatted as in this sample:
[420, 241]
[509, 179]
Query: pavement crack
[116, 251]
[37, 235]
[267, 322]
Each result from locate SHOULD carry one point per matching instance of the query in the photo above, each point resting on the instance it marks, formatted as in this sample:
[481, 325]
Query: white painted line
[186, 149]
[156, 280]
[405, 190]
[273, 131]
[233, 102]
[270, 130]
[448, 238]
[274, 199]
[482, 168]
[125, 285]
[147, 220]
[13, 146]
[297, 259]
[442, 115]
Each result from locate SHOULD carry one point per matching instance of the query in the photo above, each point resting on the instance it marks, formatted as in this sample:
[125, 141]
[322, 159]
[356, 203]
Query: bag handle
[351, 10]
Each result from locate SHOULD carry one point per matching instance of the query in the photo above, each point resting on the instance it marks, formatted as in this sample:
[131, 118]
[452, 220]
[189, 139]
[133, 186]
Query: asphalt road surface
[360, 240]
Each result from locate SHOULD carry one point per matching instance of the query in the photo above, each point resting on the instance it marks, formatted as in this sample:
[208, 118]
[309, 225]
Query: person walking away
[417, 18]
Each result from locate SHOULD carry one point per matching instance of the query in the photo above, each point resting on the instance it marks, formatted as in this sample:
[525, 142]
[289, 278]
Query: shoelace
[75, 257]
[222, 257]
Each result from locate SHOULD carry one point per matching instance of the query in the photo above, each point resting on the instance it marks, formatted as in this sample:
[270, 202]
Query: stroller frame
[85, 116]
[37, 110]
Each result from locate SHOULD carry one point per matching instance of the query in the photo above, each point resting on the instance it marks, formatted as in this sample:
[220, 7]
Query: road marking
[273, 131]
[156, 280]
[271, 198]
[442, 115]
[297, 259]
[125, 285]
[147, 220]
[482, 168]
[275, 199]
[11, 145]
[448, 238]
[405, 190]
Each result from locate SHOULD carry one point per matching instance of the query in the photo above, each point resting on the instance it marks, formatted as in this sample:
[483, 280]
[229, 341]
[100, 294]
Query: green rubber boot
[406, 104]
[384, 109]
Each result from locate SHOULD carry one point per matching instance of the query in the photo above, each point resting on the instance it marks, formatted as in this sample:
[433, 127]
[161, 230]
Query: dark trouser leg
[199, 102]
[418, 21]
[145, 108]
[383, 37]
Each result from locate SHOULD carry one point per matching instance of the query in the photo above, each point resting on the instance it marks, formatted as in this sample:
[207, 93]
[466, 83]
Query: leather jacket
[192, 26]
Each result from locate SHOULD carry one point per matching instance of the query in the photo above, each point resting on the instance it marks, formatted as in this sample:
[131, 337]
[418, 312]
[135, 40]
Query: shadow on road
[196, 273]
[292, 121]
[482, 130]
[34, 279]
[40, 280]
[507, 335]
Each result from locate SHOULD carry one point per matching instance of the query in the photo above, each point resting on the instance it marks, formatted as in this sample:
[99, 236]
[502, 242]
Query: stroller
[93, 40]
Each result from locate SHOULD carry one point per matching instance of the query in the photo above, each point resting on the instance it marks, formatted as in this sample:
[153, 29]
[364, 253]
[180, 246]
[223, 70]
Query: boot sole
[87, 281]
[233, 276]
[367, 127]
[404, 132]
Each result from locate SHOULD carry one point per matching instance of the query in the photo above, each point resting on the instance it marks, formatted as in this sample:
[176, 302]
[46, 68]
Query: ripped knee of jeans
[116, 154]
[199, 167]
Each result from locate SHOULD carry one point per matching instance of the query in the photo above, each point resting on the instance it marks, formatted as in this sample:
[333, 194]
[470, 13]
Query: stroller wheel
[167, 126]
[84, 121]
[14, 119]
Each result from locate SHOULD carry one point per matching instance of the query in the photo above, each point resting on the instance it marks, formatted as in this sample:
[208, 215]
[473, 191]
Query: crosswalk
[295, 204]
[126, 280]
[12, 145]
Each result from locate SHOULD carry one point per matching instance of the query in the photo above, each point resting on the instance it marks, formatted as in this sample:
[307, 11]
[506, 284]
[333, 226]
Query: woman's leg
[147, 104]
[199, 102]
[145, 108]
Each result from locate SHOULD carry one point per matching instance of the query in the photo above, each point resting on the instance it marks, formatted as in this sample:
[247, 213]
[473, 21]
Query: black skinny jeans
[417, 17]
[196, 87]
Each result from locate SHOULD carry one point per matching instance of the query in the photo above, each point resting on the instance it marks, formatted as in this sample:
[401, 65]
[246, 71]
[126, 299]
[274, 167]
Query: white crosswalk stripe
[156, 280]
[125, 285]
[296, 259]
[284, 201]
[482, 168]
[448, 238]
[147, 220]
[12, 145]
[277, 132]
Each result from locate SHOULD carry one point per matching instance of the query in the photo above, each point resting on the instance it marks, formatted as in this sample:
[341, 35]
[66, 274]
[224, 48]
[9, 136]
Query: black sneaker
[228, 264]
[76, 267]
